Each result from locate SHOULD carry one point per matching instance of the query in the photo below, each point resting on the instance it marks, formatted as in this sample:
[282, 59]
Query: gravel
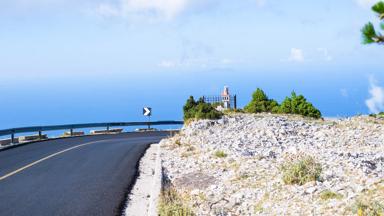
[248, 181]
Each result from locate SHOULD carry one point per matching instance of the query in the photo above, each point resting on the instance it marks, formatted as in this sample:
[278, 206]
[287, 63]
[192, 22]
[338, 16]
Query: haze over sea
[67, 62]
[101, 99]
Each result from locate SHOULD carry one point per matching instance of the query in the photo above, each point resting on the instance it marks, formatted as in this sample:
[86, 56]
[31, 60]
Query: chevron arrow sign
[147, 111]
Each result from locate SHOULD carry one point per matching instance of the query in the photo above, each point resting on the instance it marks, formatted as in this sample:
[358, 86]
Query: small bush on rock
[220, 154]
[199, 110]
[301, 171]
[327, 195]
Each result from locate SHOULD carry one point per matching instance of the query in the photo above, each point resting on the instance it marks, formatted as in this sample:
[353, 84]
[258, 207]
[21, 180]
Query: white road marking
[45, 158]
[58, 153]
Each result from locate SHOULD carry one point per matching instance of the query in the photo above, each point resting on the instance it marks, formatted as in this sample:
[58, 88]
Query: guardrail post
[13, 138]
[235, 102]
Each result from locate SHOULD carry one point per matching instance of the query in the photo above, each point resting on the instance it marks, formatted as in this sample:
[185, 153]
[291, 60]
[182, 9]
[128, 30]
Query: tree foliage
[370, 35]
[299, 105]
[261, 103]
[291, 105]
[199, 110]
[379, 9]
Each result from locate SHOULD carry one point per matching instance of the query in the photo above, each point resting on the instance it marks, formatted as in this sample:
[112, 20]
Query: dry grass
[371, 202]
[364, 208]
[173, 204]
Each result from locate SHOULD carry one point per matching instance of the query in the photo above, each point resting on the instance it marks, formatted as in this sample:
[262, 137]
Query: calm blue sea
[121, 98]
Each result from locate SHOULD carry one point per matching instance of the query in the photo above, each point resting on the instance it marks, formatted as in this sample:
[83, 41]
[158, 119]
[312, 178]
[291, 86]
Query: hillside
[263, 164]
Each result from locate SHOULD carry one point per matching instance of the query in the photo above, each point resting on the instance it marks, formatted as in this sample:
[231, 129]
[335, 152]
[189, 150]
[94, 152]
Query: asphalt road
[74, 176]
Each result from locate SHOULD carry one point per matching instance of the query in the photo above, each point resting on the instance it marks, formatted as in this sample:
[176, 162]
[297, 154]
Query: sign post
[147, 111]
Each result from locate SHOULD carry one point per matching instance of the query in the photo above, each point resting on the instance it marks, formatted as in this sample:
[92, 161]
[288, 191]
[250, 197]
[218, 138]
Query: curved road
[73, 176]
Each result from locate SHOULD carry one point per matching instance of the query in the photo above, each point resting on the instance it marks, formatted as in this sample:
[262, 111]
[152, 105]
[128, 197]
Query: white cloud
[167, 9]
[375, 103]
[148, 9]
[107, 10]
[132, 9]
[197, 63]
[261, 3]
[325, 53]
[296, 55]
[226, 61]
[167, 64]
[155, 10]
[311, 55]
[186, 63]
[366, 3]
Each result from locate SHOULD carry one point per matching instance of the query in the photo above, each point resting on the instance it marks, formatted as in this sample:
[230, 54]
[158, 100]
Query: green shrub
[199, 110]
[291, 105]
[189, 108]
[232, 111]
[327, 195]
[378, 115]
[299, 105]
[261, 103]
[301, 171]
[171, 203]
[220, 154]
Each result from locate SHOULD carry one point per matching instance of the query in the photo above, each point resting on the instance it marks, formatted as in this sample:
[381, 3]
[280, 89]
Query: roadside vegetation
[199, 110]
[301, 170]
[295, 104]
[173, 204]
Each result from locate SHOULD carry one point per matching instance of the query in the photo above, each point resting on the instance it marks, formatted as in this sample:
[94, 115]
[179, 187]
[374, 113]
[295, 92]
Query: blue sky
[65, 61]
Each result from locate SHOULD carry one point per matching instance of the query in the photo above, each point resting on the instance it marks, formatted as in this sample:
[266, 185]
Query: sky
[78, 61]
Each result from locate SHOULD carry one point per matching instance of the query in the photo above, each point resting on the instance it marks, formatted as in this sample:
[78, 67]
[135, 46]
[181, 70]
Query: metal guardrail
[71, 127]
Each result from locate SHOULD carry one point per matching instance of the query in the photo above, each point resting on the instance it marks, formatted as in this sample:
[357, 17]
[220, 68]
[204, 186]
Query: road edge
[124, 204]
[145, 191]
[157, 185]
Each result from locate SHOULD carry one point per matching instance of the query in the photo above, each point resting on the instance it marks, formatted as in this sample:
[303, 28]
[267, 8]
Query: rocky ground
[232, 166]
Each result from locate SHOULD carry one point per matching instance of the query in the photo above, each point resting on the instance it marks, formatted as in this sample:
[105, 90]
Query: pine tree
[300, 106]
[199, 110]
[189, 108]
[370, 35]
[261, 103]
